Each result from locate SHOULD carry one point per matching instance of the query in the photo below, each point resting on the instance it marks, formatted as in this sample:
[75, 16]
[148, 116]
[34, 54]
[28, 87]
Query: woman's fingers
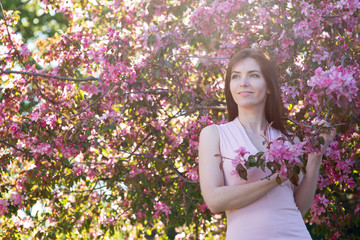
[327, 135]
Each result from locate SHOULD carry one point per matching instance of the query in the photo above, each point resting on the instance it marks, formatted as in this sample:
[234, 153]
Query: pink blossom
[3, 206]
[160, 206]
[43, 123]
[34, 116]
[92, 173]
[26, 222]
[20, 184]
[263, 14]
[337, 81]
[239, 158]
[140, 214]
[192, 173]
[95, 232]
[202, 207]
[52, 221]
[135, 170]
[50, 120]
[17, 199]
[42, 148]
[286, 42]
[320, 198]
[317, 210]
[79, 168]
[241, 151]
[357, 209]
[107, 220]
[14, 128]
[24, 51]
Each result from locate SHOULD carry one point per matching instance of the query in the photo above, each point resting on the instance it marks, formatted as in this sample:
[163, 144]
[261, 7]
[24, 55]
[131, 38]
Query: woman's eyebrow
[251, 71]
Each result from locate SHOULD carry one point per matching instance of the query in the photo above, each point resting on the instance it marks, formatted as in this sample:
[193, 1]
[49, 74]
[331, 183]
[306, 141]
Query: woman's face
[247, 84]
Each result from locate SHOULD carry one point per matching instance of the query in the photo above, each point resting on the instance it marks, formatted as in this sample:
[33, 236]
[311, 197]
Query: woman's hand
[304, 194]
[328, 138]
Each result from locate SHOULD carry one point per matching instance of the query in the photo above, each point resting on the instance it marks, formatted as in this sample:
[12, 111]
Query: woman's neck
[253, 121]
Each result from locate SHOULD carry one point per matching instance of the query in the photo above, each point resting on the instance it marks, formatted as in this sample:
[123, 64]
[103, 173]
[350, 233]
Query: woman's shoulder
[210, 130]
[214, 129]
[209, 135]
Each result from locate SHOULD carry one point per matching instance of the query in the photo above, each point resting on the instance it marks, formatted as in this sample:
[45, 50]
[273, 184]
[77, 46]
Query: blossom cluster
[337, 82]
[161, 207]
[287, 155]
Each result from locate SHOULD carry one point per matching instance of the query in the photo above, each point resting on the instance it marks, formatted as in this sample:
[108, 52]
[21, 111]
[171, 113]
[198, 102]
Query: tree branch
[13, 146]
[205, 57]
[7, 27]
[168, 163]
[295, 122]
[22, 5]
[155, 91]
[220, 108]
[90, 105]
[193, 56]
[8, 71]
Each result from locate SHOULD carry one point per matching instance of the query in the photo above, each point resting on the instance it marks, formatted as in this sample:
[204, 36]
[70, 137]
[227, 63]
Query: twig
[220, 108]
[150, 91]
[267, 177]
[192, 56]
[343, 60]
[166, 162]
[206, 57]
[7, 27]
[90, 105]
[22, 5]
[327, 114]
[295, 122]
[13, 146]
[8, 71]
[42, 94]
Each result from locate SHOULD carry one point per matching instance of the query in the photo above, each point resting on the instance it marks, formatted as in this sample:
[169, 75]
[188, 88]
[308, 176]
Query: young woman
[258, 208]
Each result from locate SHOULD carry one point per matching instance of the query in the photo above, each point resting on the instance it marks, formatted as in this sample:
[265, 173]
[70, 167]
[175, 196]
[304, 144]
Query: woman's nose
[244, 81]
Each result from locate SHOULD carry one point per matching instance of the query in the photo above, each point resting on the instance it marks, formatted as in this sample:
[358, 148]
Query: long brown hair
[273, 105]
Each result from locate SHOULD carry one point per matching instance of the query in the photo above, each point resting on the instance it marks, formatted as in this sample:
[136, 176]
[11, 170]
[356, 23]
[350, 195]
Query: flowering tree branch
[169, 163]
[91, 78]
[7, 27]
[93, 103]
[14, 147]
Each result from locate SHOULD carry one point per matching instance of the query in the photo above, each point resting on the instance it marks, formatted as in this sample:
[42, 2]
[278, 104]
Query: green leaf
[294, 179]
[269, 165]
[302, 159]
[321, 140]
[252, 160]
[262, 164]
[241, 170]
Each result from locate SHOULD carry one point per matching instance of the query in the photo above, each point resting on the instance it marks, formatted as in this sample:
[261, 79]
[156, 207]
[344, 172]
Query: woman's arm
[304, 194]
[217, 196]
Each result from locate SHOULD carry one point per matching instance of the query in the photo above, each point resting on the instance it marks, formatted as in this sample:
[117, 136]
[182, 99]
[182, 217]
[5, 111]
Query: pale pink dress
[274, 216]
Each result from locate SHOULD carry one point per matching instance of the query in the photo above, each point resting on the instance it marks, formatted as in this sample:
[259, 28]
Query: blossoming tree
[99, 123]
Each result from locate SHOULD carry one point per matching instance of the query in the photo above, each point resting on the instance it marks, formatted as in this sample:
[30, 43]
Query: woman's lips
[245, 93]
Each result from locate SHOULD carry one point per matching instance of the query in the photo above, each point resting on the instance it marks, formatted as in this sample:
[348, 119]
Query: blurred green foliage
[34, 22]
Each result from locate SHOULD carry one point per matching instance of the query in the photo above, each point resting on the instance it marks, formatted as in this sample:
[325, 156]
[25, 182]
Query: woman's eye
[235, 76]
[254, 75]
